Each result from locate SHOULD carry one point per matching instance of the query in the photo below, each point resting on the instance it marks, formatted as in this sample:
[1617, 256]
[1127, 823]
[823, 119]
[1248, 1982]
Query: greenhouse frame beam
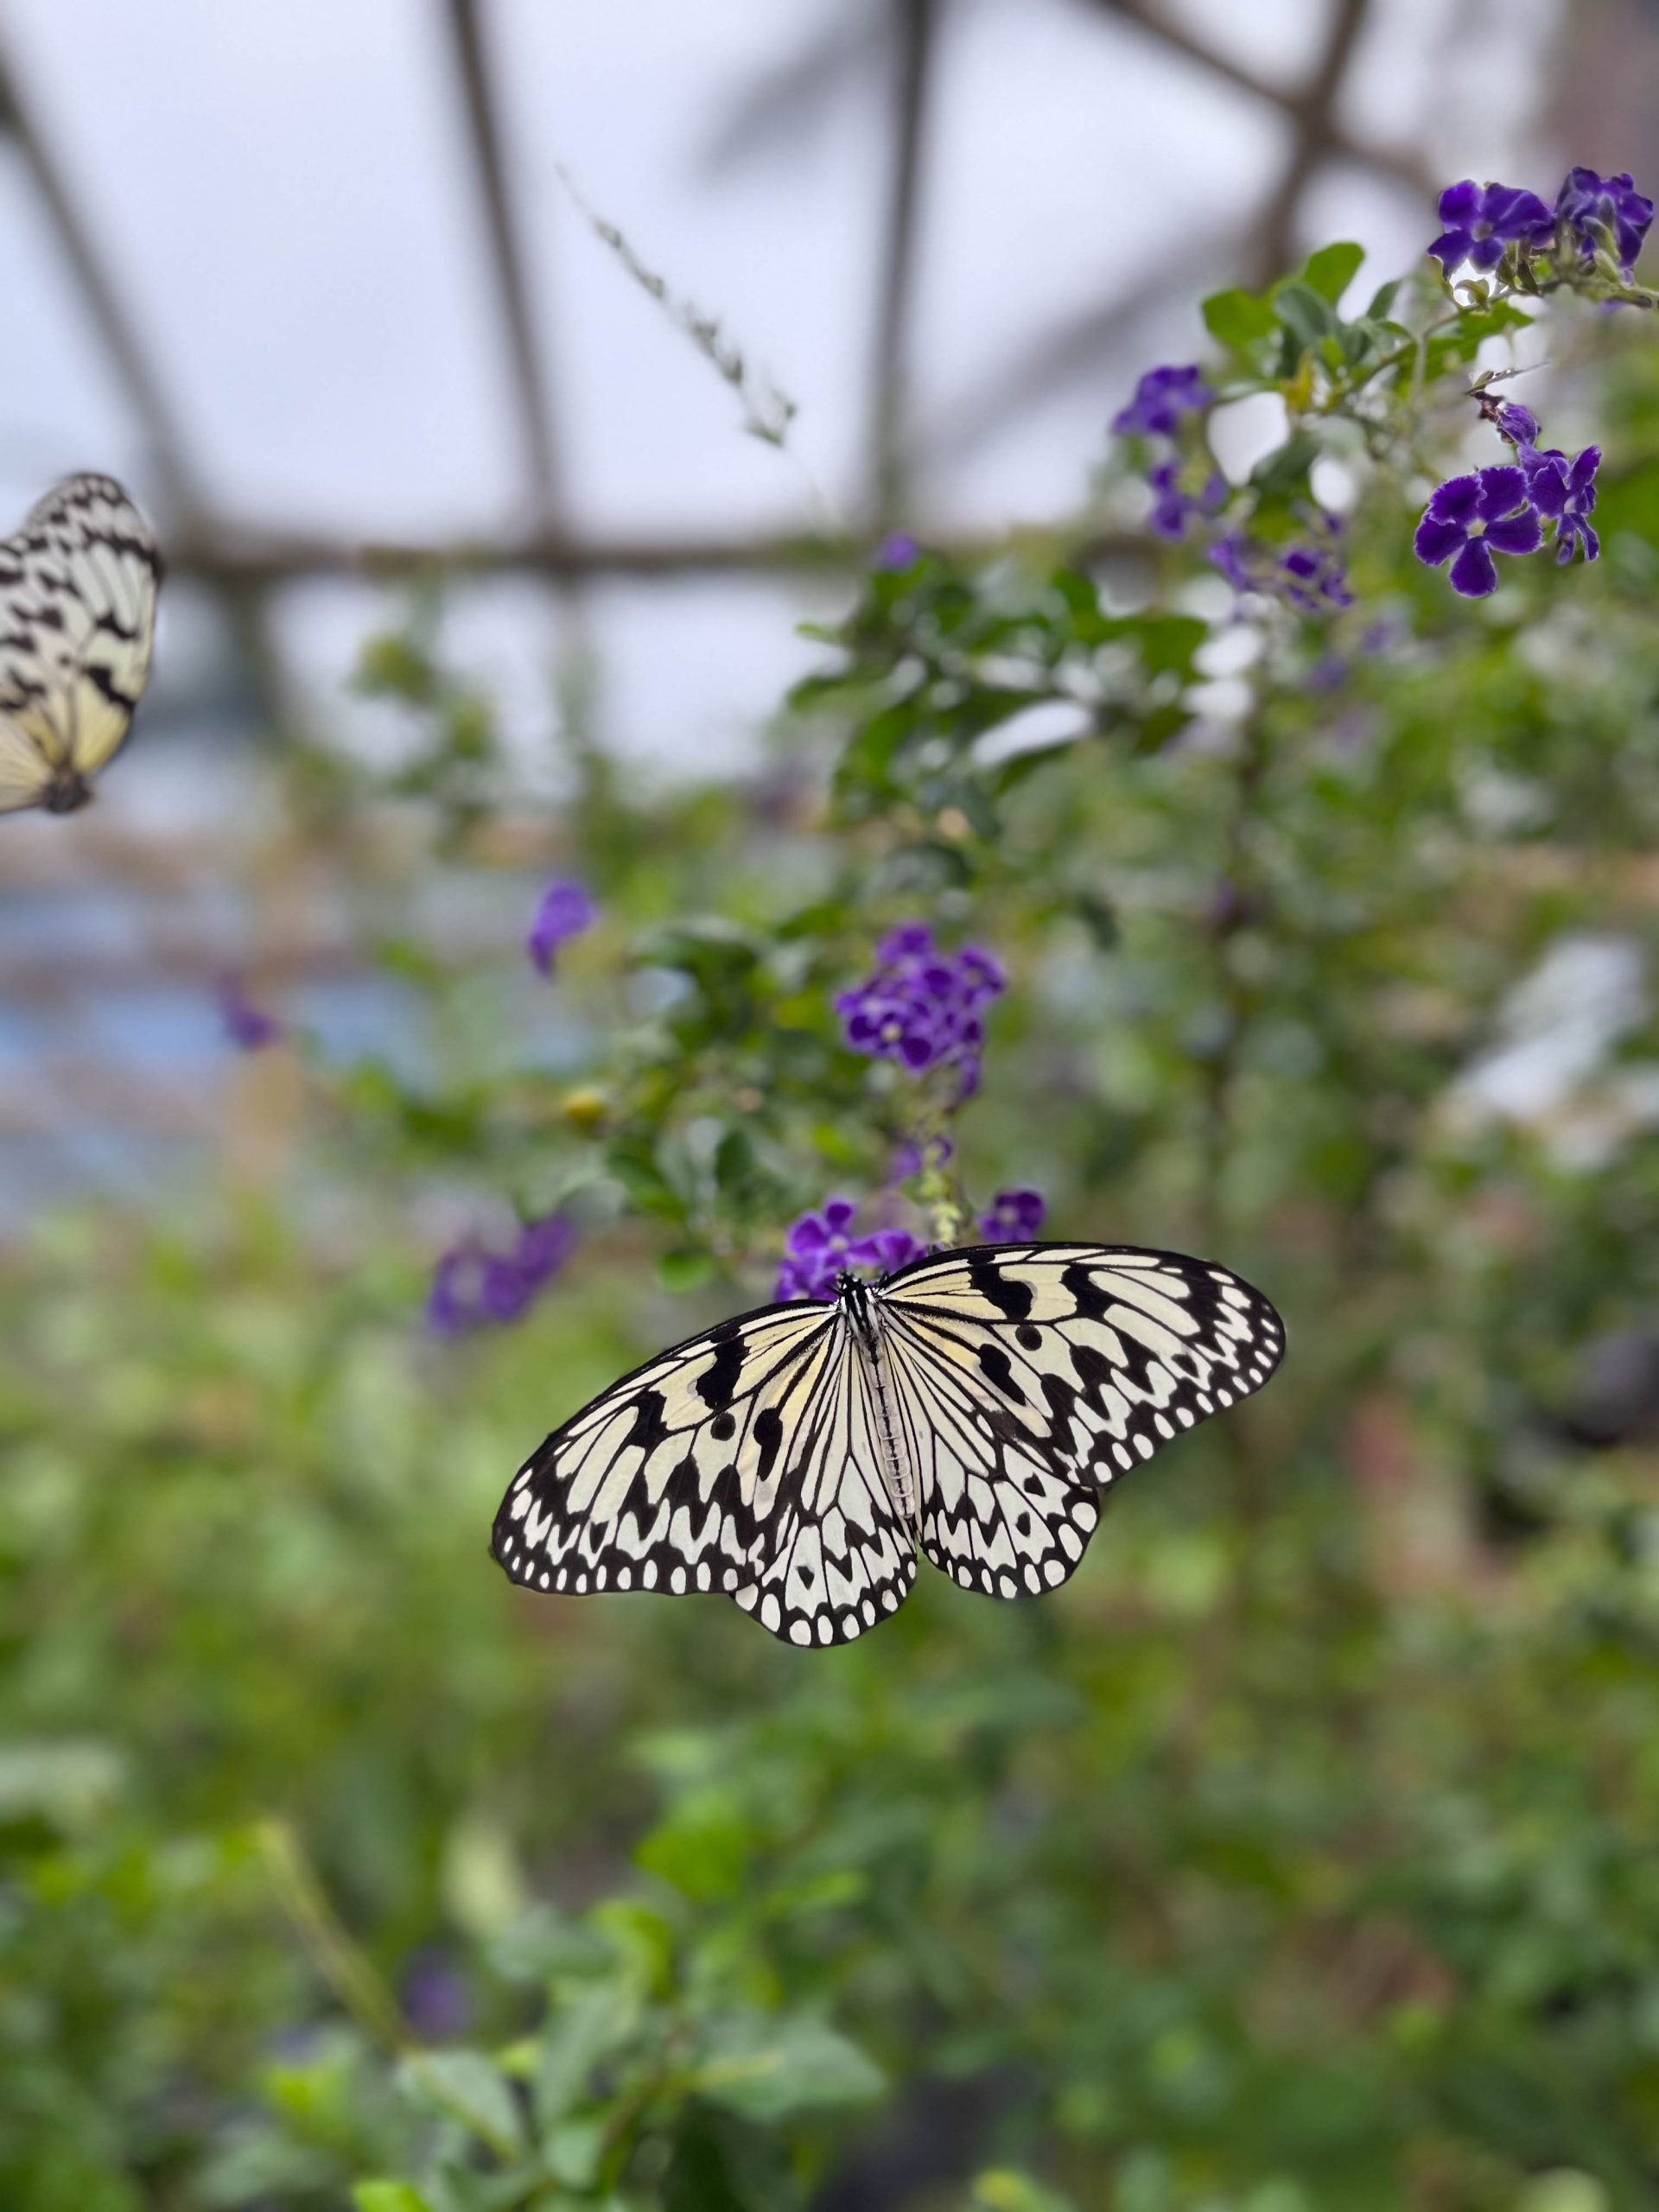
[1303, 104]
[268, 562]
[119, 339]
[914, 25]
[531, 383]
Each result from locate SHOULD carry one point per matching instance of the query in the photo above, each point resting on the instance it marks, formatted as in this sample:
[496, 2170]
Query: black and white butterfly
[78, 587]
[970, 1407]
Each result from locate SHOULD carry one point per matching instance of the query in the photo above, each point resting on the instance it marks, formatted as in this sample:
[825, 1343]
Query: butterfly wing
[77, 585]
[1060, 1366]
[743, 1462]
[25, 772]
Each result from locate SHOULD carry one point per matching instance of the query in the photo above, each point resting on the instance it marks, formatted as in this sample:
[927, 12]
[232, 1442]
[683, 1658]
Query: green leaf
[1382, 300]
[589, 2028]
[1307, 316]
[686, 1267]
[463, 2085]
[767, 2069]
[1237, 318]
[388, 2196]
[1279, 471]
[545, 1945]
[1331, 271]
[702, 1848]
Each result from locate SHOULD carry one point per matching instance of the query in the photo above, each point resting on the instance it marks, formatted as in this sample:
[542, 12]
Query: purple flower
[888, 1249]
[1565, 493]
[1516, 423]
[1312, 574]
[1172, 506]
[248, 1028]
[910, 1159]
[565, 911]
[1482, 220]
[1474, 517]
[899, 551]
[1229, 555]
[1604, 211]
[1013, 1218]
[1161, 398]
[472, 1284]
[820, 1248]
[1309, 575]
[922, 1007]
[433, 1996]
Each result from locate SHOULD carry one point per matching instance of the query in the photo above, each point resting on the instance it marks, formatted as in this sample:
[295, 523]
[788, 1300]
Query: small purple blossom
[433, 1996]
[1309, 574]
[910, 1159]
[1516, 423]
[248, 1028]
[1587, 204]
[565, 911]
[1312, 574]
[1172, 507]
[899, 551]
[1565, 493]
[1482, 220]
[820, 1248]
[472, 1285]
[923, 1008]
[1013, 1218]
[1472, 517]
[1231, 556]
[1161, 398]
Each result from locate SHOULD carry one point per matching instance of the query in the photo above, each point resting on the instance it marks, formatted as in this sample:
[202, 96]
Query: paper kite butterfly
[970, 1407]
[77, 585]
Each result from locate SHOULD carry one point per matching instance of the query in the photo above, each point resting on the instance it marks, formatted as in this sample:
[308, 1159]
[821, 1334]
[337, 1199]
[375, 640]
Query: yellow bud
[584, 1106]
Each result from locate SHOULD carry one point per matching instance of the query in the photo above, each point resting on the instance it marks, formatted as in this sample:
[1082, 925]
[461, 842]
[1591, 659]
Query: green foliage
[1296, 1857]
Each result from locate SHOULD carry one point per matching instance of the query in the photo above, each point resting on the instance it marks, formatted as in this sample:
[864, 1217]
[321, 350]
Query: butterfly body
[968, 1408]
[78, 589]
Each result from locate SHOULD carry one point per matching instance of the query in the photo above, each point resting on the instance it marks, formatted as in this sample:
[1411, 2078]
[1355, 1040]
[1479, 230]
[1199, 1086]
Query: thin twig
[768, 412]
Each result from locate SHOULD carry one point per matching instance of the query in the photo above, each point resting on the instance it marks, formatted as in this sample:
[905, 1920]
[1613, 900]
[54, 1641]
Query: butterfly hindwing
[1000, 1509]
[77, 585]
[740, 1463]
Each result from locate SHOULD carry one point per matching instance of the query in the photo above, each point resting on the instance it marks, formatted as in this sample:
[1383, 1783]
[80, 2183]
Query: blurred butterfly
[970, 1407]
[77, 585]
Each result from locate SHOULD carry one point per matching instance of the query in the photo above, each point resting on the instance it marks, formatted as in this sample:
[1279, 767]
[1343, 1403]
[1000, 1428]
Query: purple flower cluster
[1482, 220]
[1162, 398]
[923, 1007]
[1013, 1218]
[1309, 574]
[820, 1246]
[472, 1284]
[1604, 210]
[1172, 508]
[247, 1026]
[1592, 213]
[1508, 510]
[565, 911]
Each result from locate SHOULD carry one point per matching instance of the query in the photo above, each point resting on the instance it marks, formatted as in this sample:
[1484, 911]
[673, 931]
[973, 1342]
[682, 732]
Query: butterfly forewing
[794, 1466]
[1099, 1353]
[77, 585]
[740, 1462]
